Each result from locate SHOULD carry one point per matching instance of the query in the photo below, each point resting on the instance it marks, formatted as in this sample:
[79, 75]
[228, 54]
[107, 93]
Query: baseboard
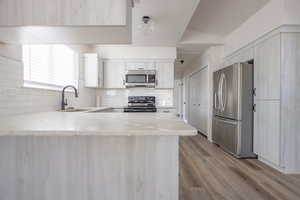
[270, 164]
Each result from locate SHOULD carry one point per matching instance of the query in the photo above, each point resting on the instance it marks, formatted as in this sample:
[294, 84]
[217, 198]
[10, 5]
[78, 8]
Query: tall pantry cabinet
[277, 101]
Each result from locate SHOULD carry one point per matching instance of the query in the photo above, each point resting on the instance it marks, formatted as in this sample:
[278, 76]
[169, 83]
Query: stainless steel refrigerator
[233, 109]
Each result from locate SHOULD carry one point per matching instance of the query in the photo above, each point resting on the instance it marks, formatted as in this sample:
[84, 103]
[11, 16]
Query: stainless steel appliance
[140, 78]
[233, 109]
[141, 104]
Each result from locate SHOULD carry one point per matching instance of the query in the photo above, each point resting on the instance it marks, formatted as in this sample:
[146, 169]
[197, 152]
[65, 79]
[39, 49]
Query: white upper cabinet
[165, 75]
[114, 74]
[140, 65]
[63, 12]
[267, 69]
[93, 70]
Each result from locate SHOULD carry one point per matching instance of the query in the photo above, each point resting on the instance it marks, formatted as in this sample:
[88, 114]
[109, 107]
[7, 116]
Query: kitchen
[141, 121]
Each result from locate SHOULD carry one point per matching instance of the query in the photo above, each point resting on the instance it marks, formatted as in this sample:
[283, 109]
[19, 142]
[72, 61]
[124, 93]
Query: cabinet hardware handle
[254, 92]
[254, 107]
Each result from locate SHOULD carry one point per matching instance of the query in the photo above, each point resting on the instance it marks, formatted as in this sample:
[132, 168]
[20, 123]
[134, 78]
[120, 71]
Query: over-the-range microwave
[140, 78]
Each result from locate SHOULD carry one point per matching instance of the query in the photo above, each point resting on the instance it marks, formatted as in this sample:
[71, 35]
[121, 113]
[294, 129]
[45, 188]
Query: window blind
[50, 65]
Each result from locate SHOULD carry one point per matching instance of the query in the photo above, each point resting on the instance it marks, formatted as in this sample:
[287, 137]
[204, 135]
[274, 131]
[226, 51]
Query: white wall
[15, 99]
[265, 20]
[291, 15]
[271, 16]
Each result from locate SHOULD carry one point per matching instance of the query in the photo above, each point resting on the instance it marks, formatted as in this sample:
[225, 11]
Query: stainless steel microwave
[140, 78]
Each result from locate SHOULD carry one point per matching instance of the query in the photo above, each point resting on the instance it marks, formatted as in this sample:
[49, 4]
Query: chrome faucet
[63, 100]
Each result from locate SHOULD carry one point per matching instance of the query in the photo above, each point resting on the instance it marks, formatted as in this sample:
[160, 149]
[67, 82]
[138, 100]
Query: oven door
[136, 80]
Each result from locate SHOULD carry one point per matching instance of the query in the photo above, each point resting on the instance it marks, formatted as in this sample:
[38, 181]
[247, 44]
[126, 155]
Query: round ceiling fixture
[147, 25]
[146, 19]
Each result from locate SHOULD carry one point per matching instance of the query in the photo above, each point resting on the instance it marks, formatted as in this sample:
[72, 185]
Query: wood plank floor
[207, 173]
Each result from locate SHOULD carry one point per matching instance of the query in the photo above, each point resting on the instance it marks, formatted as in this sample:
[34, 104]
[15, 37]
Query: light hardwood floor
[207, 173]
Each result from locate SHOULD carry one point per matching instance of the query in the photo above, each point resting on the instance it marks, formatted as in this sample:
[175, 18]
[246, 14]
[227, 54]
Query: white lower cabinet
[114, 74]
[267, 131]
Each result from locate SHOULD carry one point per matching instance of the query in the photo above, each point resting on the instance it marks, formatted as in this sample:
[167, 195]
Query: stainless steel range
[141, 104]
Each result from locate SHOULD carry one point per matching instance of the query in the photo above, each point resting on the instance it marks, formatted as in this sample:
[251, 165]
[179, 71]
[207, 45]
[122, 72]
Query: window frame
[51, 86]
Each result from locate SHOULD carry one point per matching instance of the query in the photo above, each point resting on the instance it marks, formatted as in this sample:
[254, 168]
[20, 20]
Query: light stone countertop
[96, 124]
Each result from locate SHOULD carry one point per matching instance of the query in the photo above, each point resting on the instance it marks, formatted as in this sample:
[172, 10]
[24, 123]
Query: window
[50, 66]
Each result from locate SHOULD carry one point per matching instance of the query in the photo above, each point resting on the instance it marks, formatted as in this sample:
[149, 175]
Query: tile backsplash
[119, 97]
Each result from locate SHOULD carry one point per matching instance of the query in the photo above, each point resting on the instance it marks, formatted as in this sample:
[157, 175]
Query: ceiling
[212, 21]
[221, 17]
[191, 25]
[181, 67]
[170, 17]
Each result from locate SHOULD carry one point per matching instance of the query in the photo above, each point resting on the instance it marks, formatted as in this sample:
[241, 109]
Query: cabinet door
[267, 69]
[267, 130]
[140, 66]
[114, 74]
[93, 71]
[165, 75]
[63, 12]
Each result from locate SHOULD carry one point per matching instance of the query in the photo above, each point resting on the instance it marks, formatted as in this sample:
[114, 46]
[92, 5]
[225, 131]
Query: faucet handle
[66, 102]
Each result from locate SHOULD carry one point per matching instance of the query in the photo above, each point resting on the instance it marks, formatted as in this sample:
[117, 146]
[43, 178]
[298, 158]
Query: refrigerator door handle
[215, 100]
[224, 88]
[220, 94]
[228, 121]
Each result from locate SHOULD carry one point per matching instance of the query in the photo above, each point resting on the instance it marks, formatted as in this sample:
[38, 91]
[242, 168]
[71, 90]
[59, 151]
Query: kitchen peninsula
[89, 156]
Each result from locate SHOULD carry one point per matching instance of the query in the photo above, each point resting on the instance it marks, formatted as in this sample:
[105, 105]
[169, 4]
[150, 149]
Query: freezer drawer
[235, 137]
[225, 133]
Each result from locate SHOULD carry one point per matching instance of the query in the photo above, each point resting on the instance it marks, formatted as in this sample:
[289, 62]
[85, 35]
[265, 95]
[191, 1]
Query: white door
[114, 74]
[178, 97]
[192, 119]
[198, 100]
[185, 93]
[203, 100]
